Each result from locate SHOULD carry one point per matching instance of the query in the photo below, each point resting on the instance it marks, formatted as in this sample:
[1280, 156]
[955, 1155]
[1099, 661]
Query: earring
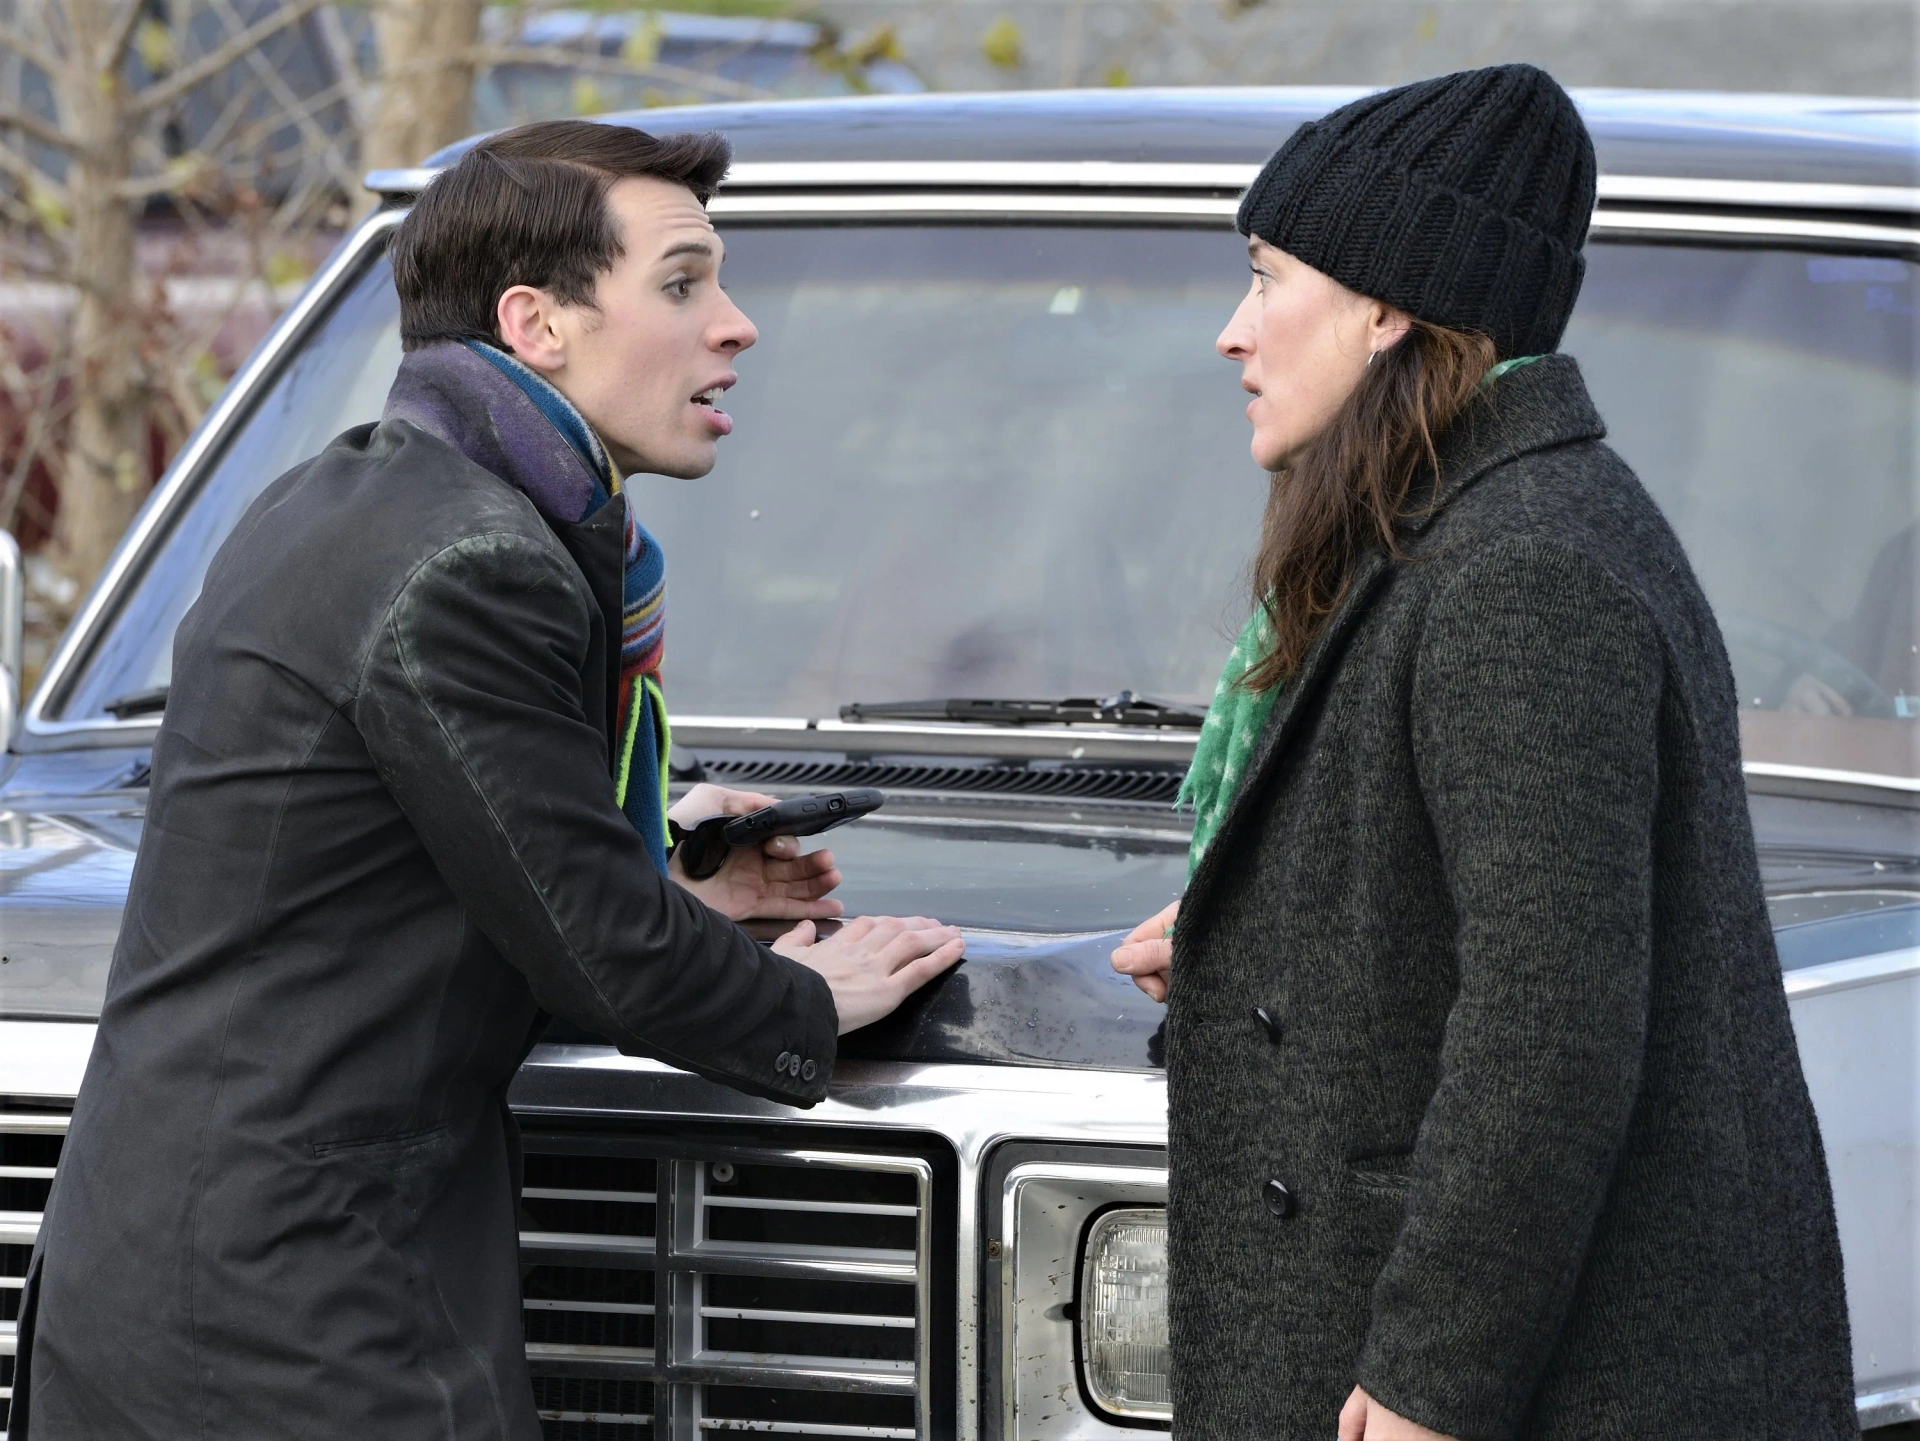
[1370, 357]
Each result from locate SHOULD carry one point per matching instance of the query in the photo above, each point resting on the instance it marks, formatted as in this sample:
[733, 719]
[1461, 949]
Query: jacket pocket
[374, 1149]
[1386, 1174]
[387, 1181]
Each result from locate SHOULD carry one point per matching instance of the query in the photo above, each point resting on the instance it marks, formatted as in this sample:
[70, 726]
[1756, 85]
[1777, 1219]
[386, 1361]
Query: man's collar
[482, 409]
[564, 414]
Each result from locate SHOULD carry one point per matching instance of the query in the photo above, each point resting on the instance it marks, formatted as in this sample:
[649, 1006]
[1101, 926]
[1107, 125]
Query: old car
[980, 541]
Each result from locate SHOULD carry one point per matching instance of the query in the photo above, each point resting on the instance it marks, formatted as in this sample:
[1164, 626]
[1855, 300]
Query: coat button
[807, 1071]
[1278, 1198]
[1267, 1023]
[793, 1066]
[781, 1064]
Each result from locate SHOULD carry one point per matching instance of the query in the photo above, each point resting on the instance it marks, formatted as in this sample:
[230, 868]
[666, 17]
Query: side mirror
[13, 613]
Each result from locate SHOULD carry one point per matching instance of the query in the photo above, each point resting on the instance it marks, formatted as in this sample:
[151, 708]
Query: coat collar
[1535, 407]
[1289, 712]
[517, 430]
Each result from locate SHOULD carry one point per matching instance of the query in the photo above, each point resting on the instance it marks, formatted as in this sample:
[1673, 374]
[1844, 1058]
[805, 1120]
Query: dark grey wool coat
[1526, 1150]
[381, 842]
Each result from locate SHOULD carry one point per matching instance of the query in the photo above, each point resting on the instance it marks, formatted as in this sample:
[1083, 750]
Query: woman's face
[1302, 340]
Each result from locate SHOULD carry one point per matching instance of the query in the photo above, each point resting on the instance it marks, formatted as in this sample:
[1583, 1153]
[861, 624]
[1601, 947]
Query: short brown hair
[529, 207]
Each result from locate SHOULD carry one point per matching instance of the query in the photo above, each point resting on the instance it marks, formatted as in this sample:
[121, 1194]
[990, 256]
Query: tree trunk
[426, 87]
[105, 472]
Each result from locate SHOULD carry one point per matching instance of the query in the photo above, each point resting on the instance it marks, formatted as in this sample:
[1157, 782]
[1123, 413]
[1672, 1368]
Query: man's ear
[525, 317]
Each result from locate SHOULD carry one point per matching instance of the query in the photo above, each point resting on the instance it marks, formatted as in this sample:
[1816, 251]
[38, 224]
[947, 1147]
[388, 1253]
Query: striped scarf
[480, 410]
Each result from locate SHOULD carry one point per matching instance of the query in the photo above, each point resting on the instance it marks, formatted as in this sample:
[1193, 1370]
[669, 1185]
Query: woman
[1485, 1118]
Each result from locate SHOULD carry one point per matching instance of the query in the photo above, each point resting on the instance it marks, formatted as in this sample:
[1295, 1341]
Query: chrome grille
[673, 1292]
[797, 1284]
[30, 1142]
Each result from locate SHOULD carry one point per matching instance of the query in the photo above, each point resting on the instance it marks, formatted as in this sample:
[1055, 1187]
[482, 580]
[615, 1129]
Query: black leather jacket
[382, 844]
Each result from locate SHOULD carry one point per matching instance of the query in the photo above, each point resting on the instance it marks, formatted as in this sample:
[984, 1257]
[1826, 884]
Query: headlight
[1122, 1308]
[1080, 1348]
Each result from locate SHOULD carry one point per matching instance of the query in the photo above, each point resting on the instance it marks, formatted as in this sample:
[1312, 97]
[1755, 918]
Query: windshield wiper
[1125, 709]
[150, 701]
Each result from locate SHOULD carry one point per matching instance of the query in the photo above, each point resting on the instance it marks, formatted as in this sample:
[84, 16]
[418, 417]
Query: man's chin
[688, 466]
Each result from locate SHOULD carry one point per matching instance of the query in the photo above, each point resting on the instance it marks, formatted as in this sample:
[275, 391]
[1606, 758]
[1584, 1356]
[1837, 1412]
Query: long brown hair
[1349, 486]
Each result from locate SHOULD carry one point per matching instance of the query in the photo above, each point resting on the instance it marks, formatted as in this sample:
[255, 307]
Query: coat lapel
[1535, 407]
[1289, 713]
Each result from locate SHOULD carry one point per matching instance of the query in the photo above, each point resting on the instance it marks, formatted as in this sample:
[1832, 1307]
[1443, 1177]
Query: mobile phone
[704, 850]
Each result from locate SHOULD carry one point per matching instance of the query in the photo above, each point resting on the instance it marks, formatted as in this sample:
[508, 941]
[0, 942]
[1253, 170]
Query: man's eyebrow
[688, 247]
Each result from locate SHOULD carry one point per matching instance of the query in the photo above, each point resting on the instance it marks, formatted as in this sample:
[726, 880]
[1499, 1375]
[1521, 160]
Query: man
[406, 802]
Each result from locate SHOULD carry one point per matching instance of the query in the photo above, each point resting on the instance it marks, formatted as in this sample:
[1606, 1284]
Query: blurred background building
[1834, 47]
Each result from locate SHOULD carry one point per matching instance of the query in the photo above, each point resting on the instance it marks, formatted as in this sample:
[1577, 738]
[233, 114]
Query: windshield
[1005, 461]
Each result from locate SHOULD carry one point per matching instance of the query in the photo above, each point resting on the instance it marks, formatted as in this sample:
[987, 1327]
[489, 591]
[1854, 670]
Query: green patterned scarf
[1233, 725]
[1238, 715]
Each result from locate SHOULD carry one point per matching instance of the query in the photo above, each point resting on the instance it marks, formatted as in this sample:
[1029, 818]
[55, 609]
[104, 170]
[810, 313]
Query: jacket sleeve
[470, 704]
[1534, 719]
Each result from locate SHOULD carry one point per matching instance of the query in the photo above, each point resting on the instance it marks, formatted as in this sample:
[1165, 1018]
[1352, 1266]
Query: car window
[977, 460]
[966, 460]
[1767, 399]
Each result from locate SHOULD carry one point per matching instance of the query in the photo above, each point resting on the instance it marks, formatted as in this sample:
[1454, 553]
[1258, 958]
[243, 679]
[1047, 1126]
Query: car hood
[1043, 888]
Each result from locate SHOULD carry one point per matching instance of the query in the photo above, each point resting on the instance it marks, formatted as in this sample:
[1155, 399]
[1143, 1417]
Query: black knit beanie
[1463, 201]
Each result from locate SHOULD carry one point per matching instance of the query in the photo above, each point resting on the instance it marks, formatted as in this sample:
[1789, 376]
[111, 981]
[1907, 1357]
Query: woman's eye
[682, 287]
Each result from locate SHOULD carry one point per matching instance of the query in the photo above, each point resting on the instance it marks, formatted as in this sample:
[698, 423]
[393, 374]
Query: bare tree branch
[18, 251]
[339, 47]
[216, 135]
[29, 223]
[41, 421]
[13, 38]
[290, 105]
[29, 175]
[120, 37]
[14, 118]
[56, 25]
[235, 47]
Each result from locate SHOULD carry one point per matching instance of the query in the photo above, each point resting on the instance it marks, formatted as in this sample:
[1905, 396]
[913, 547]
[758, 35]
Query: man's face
[649, 365]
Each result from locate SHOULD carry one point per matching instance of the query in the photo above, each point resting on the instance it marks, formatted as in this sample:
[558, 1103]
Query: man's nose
[735, 332]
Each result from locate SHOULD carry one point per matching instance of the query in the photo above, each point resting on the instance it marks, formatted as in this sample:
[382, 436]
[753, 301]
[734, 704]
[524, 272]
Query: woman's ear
[525, 318]
[1386, 327]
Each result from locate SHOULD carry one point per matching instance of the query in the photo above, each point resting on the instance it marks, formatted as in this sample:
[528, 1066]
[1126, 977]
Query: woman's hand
[1147, 954]
[772, 881]
[1365, 1419]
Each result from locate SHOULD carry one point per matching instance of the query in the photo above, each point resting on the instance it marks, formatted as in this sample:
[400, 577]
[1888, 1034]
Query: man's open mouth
[709, 400]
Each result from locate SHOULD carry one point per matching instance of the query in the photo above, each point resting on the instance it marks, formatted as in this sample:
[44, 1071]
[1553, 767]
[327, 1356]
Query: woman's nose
[1236, 341]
